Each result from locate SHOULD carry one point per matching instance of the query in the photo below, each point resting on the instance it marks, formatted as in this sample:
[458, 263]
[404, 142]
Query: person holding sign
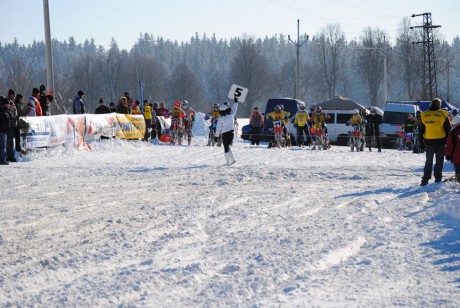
[225, 128]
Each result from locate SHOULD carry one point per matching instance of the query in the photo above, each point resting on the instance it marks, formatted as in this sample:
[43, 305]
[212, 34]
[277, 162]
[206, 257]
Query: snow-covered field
[136, 224]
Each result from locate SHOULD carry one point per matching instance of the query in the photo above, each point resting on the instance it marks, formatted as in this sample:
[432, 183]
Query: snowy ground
[136, 224]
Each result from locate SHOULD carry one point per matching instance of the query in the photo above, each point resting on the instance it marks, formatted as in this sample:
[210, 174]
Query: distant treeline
[203, 69]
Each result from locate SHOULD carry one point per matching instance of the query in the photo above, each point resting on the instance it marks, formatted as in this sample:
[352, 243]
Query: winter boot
[231, 158]
[227, 159]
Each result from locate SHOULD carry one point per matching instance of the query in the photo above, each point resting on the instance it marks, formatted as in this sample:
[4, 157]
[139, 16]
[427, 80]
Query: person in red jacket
[452, 151]
[38, 108]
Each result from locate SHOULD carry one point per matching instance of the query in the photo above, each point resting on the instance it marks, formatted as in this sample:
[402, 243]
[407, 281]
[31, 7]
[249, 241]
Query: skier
[189, 120]
[225, 127]
[213, 116]
[355, 134]
[373, 121]
[301, 124]
[452, 151]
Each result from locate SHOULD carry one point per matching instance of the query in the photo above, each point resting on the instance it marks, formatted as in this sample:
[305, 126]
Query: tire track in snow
[340, 255]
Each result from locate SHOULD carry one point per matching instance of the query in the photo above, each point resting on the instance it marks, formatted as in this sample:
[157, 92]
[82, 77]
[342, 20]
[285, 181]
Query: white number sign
[239, 92]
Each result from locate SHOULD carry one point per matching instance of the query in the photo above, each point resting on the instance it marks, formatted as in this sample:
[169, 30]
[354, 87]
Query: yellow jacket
[434, 120]
[319, 120]
[215, 114]
[279, 115]
[301, 118]
[356, 120]
[147, 112]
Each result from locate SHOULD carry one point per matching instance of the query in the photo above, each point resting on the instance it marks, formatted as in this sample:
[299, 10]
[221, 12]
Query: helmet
[184, 103]
[456, 120]
[300, 105]
[373, 110]
[318, 109]
[277, 108]
[216, 106]
[281, 106]
[355, 111]
[418, 112]
[454, 112]
[177, 104]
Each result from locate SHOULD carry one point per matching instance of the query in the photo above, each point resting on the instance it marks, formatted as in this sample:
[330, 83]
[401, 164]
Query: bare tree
[329, 52]
[250, 69]
[185, 86]
[370, 60]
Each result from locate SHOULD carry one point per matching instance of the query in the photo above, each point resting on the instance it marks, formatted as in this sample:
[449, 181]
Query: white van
[393, 119]
[336, 126]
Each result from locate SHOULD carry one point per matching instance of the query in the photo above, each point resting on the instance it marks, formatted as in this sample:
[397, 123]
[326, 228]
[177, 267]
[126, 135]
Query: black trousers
[227, 140]
[432, 150]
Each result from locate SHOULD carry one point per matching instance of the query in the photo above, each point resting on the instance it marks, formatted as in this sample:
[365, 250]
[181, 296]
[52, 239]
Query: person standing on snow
[452, 151]
[256, 122]
[78, 104]
[189, 120]
[226, 128]
[435, 126]
[372, 130]
[301, 124]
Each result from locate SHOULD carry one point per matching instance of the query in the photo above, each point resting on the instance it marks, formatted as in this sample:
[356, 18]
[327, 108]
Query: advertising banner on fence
[46, 131]
[76, 129]
[132, 126]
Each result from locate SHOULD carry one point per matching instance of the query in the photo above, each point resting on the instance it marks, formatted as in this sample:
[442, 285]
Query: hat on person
[35, 91]
[80, 93]
[11, 92]
[101, 101]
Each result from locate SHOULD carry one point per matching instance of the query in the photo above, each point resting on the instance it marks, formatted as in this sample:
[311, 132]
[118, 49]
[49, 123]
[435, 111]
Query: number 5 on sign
[238, 92]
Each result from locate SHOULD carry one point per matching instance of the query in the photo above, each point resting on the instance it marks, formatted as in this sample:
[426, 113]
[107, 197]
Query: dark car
[290, 105]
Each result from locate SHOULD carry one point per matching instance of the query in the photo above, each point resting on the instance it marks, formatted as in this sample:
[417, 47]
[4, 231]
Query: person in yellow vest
[148, 119]
[300, 123]
[435, 127]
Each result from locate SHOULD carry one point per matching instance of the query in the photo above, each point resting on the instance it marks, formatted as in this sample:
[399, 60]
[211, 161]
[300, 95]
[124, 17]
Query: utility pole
[385, 85]
[298, 45]
[429, 67]
[49, 57]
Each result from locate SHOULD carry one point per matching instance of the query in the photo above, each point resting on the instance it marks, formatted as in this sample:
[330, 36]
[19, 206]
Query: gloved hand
[235, 99]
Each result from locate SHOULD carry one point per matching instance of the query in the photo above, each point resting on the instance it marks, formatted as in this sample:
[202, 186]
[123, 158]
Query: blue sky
[180, 19]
